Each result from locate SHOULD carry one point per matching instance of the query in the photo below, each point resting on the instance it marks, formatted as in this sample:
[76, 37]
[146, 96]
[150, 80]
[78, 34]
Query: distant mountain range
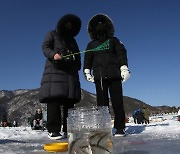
[20, 104]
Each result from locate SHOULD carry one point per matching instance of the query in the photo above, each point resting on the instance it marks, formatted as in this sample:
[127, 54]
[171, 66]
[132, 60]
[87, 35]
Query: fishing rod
[103, 46]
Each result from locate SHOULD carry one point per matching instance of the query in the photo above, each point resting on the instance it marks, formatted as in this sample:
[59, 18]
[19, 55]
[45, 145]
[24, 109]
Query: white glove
[88, 76]
[125, 74]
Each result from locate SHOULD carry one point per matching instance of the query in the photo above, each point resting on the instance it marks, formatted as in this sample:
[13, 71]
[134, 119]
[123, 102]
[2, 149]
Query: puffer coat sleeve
[88, 58]
[48, 46]
[120, 52]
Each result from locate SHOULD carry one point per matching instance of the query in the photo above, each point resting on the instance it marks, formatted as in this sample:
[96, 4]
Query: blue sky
[149, 29]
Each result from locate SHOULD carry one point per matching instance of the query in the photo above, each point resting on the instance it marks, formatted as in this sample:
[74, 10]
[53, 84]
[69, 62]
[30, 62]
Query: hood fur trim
[100, 18]
[76, 25]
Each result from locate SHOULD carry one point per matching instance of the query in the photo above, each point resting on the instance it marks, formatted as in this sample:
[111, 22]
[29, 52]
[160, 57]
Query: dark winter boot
[119, 132]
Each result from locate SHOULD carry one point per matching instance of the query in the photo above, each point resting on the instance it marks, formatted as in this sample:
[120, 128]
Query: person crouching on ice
[37, 122]
[109, 65]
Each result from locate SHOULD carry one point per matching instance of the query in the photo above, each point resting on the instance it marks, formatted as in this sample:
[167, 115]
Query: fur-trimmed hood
[103, 19]
[69, 25]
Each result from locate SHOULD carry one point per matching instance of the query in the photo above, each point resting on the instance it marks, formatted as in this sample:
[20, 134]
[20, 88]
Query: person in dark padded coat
[60, 85]
[109, 64]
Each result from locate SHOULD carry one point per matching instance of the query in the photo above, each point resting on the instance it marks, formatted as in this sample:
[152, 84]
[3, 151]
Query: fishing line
[104, 46]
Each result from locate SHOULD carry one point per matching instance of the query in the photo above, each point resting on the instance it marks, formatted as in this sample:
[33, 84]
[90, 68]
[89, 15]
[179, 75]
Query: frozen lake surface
[155, 138]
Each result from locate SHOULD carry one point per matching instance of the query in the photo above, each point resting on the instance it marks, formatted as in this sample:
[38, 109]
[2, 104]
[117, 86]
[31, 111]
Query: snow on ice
[158, 137]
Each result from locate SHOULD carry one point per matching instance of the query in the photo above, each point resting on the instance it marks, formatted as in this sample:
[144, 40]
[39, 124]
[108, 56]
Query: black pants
[114, 87]
[54, 120]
